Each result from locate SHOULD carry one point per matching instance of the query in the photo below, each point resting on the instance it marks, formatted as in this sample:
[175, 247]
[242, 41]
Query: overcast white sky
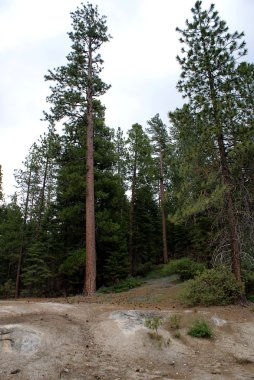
[139, 63]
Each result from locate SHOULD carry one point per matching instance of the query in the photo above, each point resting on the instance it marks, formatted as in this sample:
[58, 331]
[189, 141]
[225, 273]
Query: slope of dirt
[105, 338]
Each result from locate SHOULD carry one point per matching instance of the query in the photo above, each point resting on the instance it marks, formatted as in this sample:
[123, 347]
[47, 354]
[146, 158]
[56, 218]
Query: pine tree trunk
[163, 212]
[132, 217]
[232, 223]
[90, 281]
[21, 251]
[42, 196]
[235, 249]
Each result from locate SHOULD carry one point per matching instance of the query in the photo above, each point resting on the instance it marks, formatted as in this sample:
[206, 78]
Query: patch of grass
[174, 321]
[158, 271]
[155, 336]
[200, 329]
[123, 286]
[177, 334]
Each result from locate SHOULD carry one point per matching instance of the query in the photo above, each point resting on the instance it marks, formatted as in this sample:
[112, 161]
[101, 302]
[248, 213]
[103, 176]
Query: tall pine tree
[76, 86]
[208, 65]
[160, 142]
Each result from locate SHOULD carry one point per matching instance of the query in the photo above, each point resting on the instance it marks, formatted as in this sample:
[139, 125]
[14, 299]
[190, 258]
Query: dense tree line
[97, 203]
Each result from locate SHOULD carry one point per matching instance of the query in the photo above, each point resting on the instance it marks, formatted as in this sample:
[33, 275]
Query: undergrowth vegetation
[185, 268]
[200, 329]
[217, 286]
[123, 285]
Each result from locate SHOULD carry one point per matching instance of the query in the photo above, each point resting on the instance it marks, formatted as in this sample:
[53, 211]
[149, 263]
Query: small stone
[172, 363]
[15, 371]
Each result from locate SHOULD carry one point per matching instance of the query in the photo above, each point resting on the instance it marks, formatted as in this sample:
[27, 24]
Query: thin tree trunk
[90, 281]
[236, 265]
[132, 216]
[21, 252]
[163, 212]
[42, 197]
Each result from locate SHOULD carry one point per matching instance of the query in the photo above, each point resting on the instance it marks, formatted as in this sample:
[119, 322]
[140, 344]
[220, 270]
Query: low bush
[217, 286]
[250, 297]
[200, 329]
[7, 290]
[143, 269]
[153, 323]
[248, 279]
[185, 268]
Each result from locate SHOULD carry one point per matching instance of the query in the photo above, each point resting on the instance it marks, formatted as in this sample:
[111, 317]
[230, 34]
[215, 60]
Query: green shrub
[153, 323]
[143, 269]
[217, 286]
[7, 290]
[185, 268]
[248, 279]
[123, 285]
[200, 329]
[250, 298]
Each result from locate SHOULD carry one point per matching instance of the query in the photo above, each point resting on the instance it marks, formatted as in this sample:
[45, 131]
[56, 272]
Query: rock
[218, 321]
[15, 371]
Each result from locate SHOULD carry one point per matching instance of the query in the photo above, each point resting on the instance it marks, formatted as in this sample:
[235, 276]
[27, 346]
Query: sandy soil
[105, 338]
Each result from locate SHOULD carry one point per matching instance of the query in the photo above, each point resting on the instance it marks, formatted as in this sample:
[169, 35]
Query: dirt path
[104, 338]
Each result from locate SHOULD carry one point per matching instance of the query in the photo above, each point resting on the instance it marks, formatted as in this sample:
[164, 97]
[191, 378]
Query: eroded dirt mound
[105, 338]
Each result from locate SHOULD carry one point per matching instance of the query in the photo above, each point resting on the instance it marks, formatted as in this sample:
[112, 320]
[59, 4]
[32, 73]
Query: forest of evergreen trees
[159, 192]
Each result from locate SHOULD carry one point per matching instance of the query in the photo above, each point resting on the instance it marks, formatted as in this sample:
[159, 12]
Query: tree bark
[21, 252]
[42, 196]
[229, 203]
[163, 212]
[232, 223]
[90, 280]
[132, 216]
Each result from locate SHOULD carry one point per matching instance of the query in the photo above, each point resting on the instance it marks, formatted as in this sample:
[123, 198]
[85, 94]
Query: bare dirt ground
[105, 338]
